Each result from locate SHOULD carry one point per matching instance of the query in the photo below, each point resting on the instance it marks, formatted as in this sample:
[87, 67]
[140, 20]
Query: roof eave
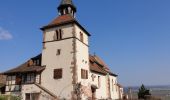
[33, 71]
[64, 23]
[98, 72]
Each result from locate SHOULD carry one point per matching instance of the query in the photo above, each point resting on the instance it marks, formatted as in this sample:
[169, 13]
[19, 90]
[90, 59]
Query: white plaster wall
[101, 91]
[32, 88]
[115, 90]
[67, 29]
[82, 55]
[78, 30]
[29, 89]
[61, 87]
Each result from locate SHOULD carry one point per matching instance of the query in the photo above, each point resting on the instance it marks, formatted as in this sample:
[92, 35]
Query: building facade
[64, 70]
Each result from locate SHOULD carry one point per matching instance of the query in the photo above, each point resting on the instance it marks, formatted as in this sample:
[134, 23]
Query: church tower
[65, 54]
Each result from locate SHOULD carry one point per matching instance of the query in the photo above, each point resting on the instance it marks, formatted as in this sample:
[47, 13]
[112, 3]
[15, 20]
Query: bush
[6, 97]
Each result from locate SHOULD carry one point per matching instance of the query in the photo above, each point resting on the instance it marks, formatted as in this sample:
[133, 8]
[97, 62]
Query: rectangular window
[58, 52]
[9, 80]
[112, 85]
[84, 74]
[99, 84]
[58, 73]
[81, 37]
[58, 35]
[30, 78]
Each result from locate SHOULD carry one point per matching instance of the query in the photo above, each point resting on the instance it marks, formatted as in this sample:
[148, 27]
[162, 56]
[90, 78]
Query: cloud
[5, 34]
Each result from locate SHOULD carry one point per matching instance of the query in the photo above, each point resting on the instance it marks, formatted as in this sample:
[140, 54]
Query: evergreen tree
[143, 92]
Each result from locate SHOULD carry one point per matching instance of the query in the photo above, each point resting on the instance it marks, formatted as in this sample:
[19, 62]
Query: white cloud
[5, 34]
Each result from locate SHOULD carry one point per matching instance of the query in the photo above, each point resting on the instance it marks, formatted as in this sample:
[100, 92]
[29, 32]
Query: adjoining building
[64, 70]
[2, 83]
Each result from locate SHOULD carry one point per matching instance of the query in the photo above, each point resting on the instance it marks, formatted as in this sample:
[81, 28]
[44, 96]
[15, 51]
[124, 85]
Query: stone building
[64, 70]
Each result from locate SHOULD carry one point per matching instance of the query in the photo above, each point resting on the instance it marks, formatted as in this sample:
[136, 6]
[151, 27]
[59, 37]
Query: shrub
[6, 97]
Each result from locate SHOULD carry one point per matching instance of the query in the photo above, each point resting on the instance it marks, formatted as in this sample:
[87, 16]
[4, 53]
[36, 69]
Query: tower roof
[63, 20]
[66, 3]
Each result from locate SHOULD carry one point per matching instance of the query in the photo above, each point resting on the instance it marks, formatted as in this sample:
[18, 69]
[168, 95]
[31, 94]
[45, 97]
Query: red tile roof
[27, 67]
[62, 20]
[96, 65]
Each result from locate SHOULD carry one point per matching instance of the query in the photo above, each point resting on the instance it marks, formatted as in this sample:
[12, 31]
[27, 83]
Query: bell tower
[65, 54]
[67, 7]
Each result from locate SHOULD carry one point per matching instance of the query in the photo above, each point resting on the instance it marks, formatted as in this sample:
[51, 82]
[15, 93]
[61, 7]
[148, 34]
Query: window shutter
[57, 73]
[84, 74]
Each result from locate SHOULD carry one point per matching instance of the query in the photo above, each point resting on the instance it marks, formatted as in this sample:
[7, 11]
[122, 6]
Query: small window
[38, 62]
[58, 73]
[92, 77]
[30, 78]
[84, 74]
[58, 35]
[9, 80]
[81, 37]
[58, 52]
[112, 85]
[99, 82]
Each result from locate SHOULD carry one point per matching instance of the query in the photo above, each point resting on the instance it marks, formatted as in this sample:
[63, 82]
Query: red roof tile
[27, 67]
[64, 19]
[98, 65]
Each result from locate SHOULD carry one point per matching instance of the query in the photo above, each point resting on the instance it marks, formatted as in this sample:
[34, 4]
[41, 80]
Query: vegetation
[143, 93]
[6, 97]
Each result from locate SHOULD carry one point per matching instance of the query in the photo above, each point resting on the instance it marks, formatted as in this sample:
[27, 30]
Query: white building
[64, 70]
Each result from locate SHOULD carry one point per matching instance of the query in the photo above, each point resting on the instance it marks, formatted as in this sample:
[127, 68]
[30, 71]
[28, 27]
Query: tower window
[112, 85]
[58, 73]
[81, 37]
[58, 51]
[99, 84]
[58, 35]
[84, 74]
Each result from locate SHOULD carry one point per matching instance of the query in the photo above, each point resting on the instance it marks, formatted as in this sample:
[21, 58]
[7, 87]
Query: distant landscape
[162, 92]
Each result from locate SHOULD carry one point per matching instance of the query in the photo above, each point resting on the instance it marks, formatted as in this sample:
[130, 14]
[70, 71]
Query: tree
[143, 92]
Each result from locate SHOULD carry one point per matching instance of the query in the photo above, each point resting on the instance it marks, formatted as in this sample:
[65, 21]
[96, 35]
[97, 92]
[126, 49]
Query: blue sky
[131, 36]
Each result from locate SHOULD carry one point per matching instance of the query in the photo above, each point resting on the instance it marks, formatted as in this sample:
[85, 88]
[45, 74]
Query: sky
[131, 36]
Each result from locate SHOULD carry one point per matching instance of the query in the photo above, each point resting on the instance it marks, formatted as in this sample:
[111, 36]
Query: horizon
[132, 37]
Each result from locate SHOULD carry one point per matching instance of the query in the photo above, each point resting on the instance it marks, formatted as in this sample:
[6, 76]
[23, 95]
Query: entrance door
[32, 96]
